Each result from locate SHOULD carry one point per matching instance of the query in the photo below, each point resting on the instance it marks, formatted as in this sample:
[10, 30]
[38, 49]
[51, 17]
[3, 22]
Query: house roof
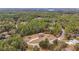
[74, 41]
[75, 35]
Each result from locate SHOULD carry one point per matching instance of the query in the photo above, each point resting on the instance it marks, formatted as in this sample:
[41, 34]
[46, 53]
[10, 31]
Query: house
[74, 41]
[75, 35]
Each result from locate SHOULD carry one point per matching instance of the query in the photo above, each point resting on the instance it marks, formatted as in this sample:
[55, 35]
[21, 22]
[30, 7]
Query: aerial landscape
[39, 29]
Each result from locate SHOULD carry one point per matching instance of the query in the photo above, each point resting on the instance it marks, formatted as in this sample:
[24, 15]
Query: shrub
[77, 47]
[36, 48]
[44, 44]
[15, 42]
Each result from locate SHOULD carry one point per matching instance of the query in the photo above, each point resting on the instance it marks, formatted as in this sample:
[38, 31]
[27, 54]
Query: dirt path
[62, 35]
[36, 38]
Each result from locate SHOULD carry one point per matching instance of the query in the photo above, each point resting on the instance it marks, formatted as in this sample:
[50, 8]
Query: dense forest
[17, 27]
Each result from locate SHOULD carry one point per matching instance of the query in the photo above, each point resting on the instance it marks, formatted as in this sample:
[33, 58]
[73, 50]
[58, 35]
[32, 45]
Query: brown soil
[69, 48]
[38, 37]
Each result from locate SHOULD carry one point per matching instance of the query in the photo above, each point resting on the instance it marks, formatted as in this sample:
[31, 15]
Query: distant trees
[16, 18]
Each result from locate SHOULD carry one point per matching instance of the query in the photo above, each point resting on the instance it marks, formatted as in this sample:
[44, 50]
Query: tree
[14, 43]
[17, 42]
[51, 47]
[32, 27]
[55, 42]
[44, 44]
[4, 46]
[36, 48]
[61, 45]
[55, 29]
[77, 47]
[16, 18]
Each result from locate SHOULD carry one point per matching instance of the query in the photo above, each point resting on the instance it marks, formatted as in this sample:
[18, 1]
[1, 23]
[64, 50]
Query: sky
[39, 3]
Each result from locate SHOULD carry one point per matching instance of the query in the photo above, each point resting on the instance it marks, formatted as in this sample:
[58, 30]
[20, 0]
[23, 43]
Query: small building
[75, 35]
[72, 42]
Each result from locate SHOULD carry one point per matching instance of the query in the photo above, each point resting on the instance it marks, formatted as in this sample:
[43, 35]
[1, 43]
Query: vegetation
[34, 26]
[77, 47]
[14, 26]
[14, 43]
[36, 48]
[44, 44]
